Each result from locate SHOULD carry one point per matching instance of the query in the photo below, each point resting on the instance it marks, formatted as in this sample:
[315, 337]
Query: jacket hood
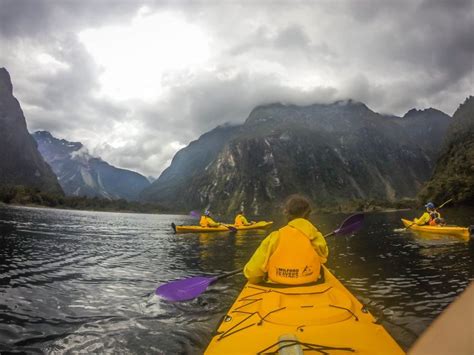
[305, 227]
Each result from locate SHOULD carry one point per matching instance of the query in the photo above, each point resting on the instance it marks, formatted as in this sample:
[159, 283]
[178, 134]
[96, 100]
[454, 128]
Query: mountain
[186, 165]
[334, 153]
[20, 161]
[81, 174]
[427, 128]
[453, 175]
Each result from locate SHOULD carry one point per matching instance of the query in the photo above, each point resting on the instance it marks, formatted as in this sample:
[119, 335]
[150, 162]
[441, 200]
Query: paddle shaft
[444, 203]
[228, 274]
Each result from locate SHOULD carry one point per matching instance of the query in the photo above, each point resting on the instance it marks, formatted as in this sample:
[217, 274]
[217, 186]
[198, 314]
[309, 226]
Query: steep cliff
[20, 161]
[333, 153]
[453, 175]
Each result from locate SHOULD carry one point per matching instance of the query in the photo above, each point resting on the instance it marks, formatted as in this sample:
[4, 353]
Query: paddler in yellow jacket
[207, 221]
[431, 217]
[292, 255]
[240, 220]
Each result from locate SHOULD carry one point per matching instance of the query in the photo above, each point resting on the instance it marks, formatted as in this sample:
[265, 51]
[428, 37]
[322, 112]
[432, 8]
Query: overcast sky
[137, 80]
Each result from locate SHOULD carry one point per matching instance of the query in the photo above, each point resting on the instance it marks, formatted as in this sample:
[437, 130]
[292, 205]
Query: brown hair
[297, 206]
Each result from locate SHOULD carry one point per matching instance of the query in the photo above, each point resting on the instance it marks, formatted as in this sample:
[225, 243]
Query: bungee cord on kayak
[283, 344]
[250, 299]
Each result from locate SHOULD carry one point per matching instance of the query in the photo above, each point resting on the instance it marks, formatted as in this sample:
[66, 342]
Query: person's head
[430, 206]
[240, 212]
[297, 206]
[207, 213]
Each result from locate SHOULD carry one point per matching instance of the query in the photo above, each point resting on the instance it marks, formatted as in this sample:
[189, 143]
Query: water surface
[76, 281]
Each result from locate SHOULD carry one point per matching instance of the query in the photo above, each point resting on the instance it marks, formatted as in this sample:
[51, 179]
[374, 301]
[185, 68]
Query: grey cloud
[293, 37]
[209, 100]
[291, 42]
[392, 55]
[199, 106]
[36, 18]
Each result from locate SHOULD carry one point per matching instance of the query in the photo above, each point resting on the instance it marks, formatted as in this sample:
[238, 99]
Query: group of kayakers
[207, 220]
[294, 254]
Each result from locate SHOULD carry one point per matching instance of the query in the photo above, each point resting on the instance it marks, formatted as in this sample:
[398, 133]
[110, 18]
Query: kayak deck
[324, 317]
[460, 232]
[222, 228]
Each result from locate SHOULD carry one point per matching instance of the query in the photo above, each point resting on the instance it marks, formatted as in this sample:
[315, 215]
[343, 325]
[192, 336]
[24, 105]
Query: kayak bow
[324, 317]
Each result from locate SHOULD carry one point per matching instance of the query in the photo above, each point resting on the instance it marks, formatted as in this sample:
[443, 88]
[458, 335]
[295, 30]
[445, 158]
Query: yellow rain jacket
[207, 221]
[257, 267]
[240, 220]
[424, 219]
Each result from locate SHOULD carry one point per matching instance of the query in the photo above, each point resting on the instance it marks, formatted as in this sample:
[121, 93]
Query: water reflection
[84, 281]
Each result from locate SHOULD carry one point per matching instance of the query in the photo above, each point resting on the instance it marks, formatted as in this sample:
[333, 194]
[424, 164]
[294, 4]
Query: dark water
[74, 281]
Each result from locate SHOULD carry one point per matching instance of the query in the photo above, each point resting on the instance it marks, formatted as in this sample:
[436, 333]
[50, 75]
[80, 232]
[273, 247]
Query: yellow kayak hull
[326, 316]
[460, 232]
[222, 228]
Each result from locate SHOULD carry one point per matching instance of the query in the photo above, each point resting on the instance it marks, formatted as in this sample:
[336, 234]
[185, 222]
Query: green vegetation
[30, 196]
[453, 176]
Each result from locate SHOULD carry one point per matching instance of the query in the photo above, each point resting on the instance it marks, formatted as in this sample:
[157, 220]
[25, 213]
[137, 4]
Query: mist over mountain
[20, 161]
[81, 174]
[333, 153]
[453, 176]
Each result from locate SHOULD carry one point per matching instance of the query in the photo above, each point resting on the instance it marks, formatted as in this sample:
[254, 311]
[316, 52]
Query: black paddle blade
[351, 224]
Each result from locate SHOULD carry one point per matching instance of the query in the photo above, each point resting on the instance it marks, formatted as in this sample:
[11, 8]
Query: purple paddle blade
[351, 224]
[195, 214]
[184, 290]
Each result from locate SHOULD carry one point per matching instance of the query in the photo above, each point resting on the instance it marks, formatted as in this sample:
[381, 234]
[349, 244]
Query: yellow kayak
[460, 232]
[221, 228]
[290, 320]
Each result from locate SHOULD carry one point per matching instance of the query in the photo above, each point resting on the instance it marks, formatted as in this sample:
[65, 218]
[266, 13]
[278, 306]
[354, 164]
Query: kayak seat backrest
[320, 305]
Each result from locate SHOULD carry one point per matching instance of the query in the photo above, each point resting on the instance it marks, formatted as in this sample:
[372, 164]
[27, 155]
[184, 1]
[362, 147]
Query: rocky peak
[46, 138]
[81, 174]
[6, 86]
[20, 161]
[428, 112]
[467, 103]
[336, 111]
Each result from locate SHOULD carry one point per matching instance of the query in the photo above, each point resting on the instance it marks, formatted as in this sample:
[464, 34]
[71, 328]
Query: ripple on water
[77, 282]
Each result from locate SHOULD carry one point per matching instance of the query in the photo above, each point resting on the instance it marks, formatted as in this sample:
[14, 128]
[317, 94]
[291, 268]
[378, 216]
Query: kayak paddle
[349, 225]
[195, 214]
[187, 289]
[444, 203]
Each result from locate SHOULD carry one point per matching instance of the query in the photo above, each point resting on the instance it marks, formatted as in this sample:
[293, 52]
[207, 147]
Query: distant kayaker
[292, 255]
[240, 220]
[207, 221]
[431, 217]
